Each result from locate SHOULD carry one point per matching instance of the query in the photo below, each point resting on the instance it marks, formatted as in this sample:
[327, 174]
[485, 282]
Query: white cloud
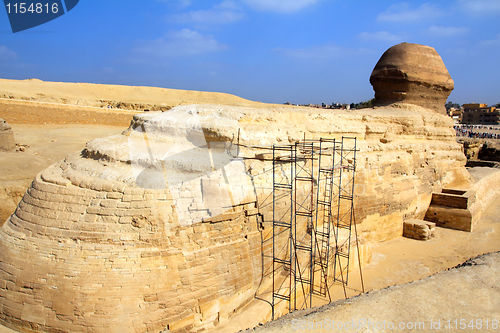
[440, 31]
[326, 51]
[480, 7]
[403, 12]
[280, 6]
[382, 36]
[492, 42]
[7, 54]
[178, 3]
[228, 5]
[225, 12]
[212, 16]
[180, 44]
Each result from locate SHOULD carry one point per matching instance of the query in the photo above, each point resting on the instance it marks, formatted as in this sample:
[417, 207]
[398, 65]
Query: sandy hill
[37, 102]
[122, 97]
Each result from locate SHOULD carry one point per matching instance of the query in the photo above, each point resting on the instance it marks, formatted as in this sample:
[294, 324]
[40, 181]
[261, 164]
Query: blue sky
[301, 51]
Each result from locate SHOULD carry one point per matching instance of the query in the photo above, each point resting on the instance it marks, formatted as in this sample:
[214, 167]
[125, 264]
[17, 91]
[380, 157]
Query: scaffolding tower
[345, 208]
[282, 226]
[313, 192]
[325, 195]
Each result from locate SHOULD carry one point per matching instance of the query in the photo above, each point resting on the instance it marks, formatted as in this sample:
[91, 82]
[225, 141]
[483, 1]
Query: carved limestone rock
[414, 74]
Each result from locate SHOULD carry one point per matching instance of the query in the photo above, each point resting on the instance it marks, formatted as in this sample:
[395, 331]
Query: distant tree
[365, 105]
[450, 105]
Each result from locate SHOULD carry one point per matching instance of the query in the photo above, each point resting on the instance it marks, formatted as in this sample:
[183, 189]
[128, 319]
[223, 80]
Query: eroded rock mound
[162, 226]
[7, 142]
[412, 73]
[168, 225]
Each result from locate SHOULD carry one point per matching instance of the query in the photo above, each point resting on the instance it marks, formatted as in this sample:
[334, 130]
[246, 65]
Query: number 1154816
[38, 8]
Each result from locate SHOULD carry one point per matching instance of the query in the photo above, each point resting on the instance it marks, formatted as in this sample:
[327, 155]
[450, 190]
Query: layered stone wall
[104, 256]
[165, 226]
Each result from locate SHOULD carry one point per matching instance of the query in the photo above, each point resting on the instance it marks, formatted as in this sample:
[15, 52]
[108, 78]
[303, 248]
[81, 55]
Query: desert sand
[123, 97]
[46, 144]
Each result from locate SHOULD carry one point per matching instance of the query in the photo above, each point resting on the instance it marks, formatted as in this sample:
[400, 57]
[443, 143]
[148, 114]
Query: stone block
[114, 195]
[418, 229]
[7, 142]
[53, 175]
[109, 203]
[9, 269]
[122, 205]
[107, 186]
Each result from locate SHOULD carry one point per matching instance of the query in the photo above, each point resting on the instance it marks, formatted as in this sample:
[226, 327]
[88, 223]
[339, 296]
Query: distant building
[456, 114]
[455, 111]
[451, 105]
[480, 114]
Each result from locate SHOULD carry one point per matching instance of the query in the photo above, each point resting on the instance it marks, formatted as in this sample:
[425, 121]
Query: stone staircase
[454, 209]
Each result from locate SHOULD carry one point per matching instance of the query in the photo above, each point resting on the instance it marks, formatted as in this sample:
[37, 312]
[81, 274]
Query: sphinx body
[168, 224]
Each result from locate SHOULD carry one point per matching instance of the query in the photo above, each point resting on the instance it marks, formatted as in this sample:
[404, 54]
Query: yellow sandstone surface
[100, 240]
[116, 96]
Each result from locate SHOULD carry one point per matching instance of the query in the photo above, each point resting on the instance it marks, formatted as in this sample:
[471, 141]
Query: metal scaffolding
[345, 207]
[313, 199]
